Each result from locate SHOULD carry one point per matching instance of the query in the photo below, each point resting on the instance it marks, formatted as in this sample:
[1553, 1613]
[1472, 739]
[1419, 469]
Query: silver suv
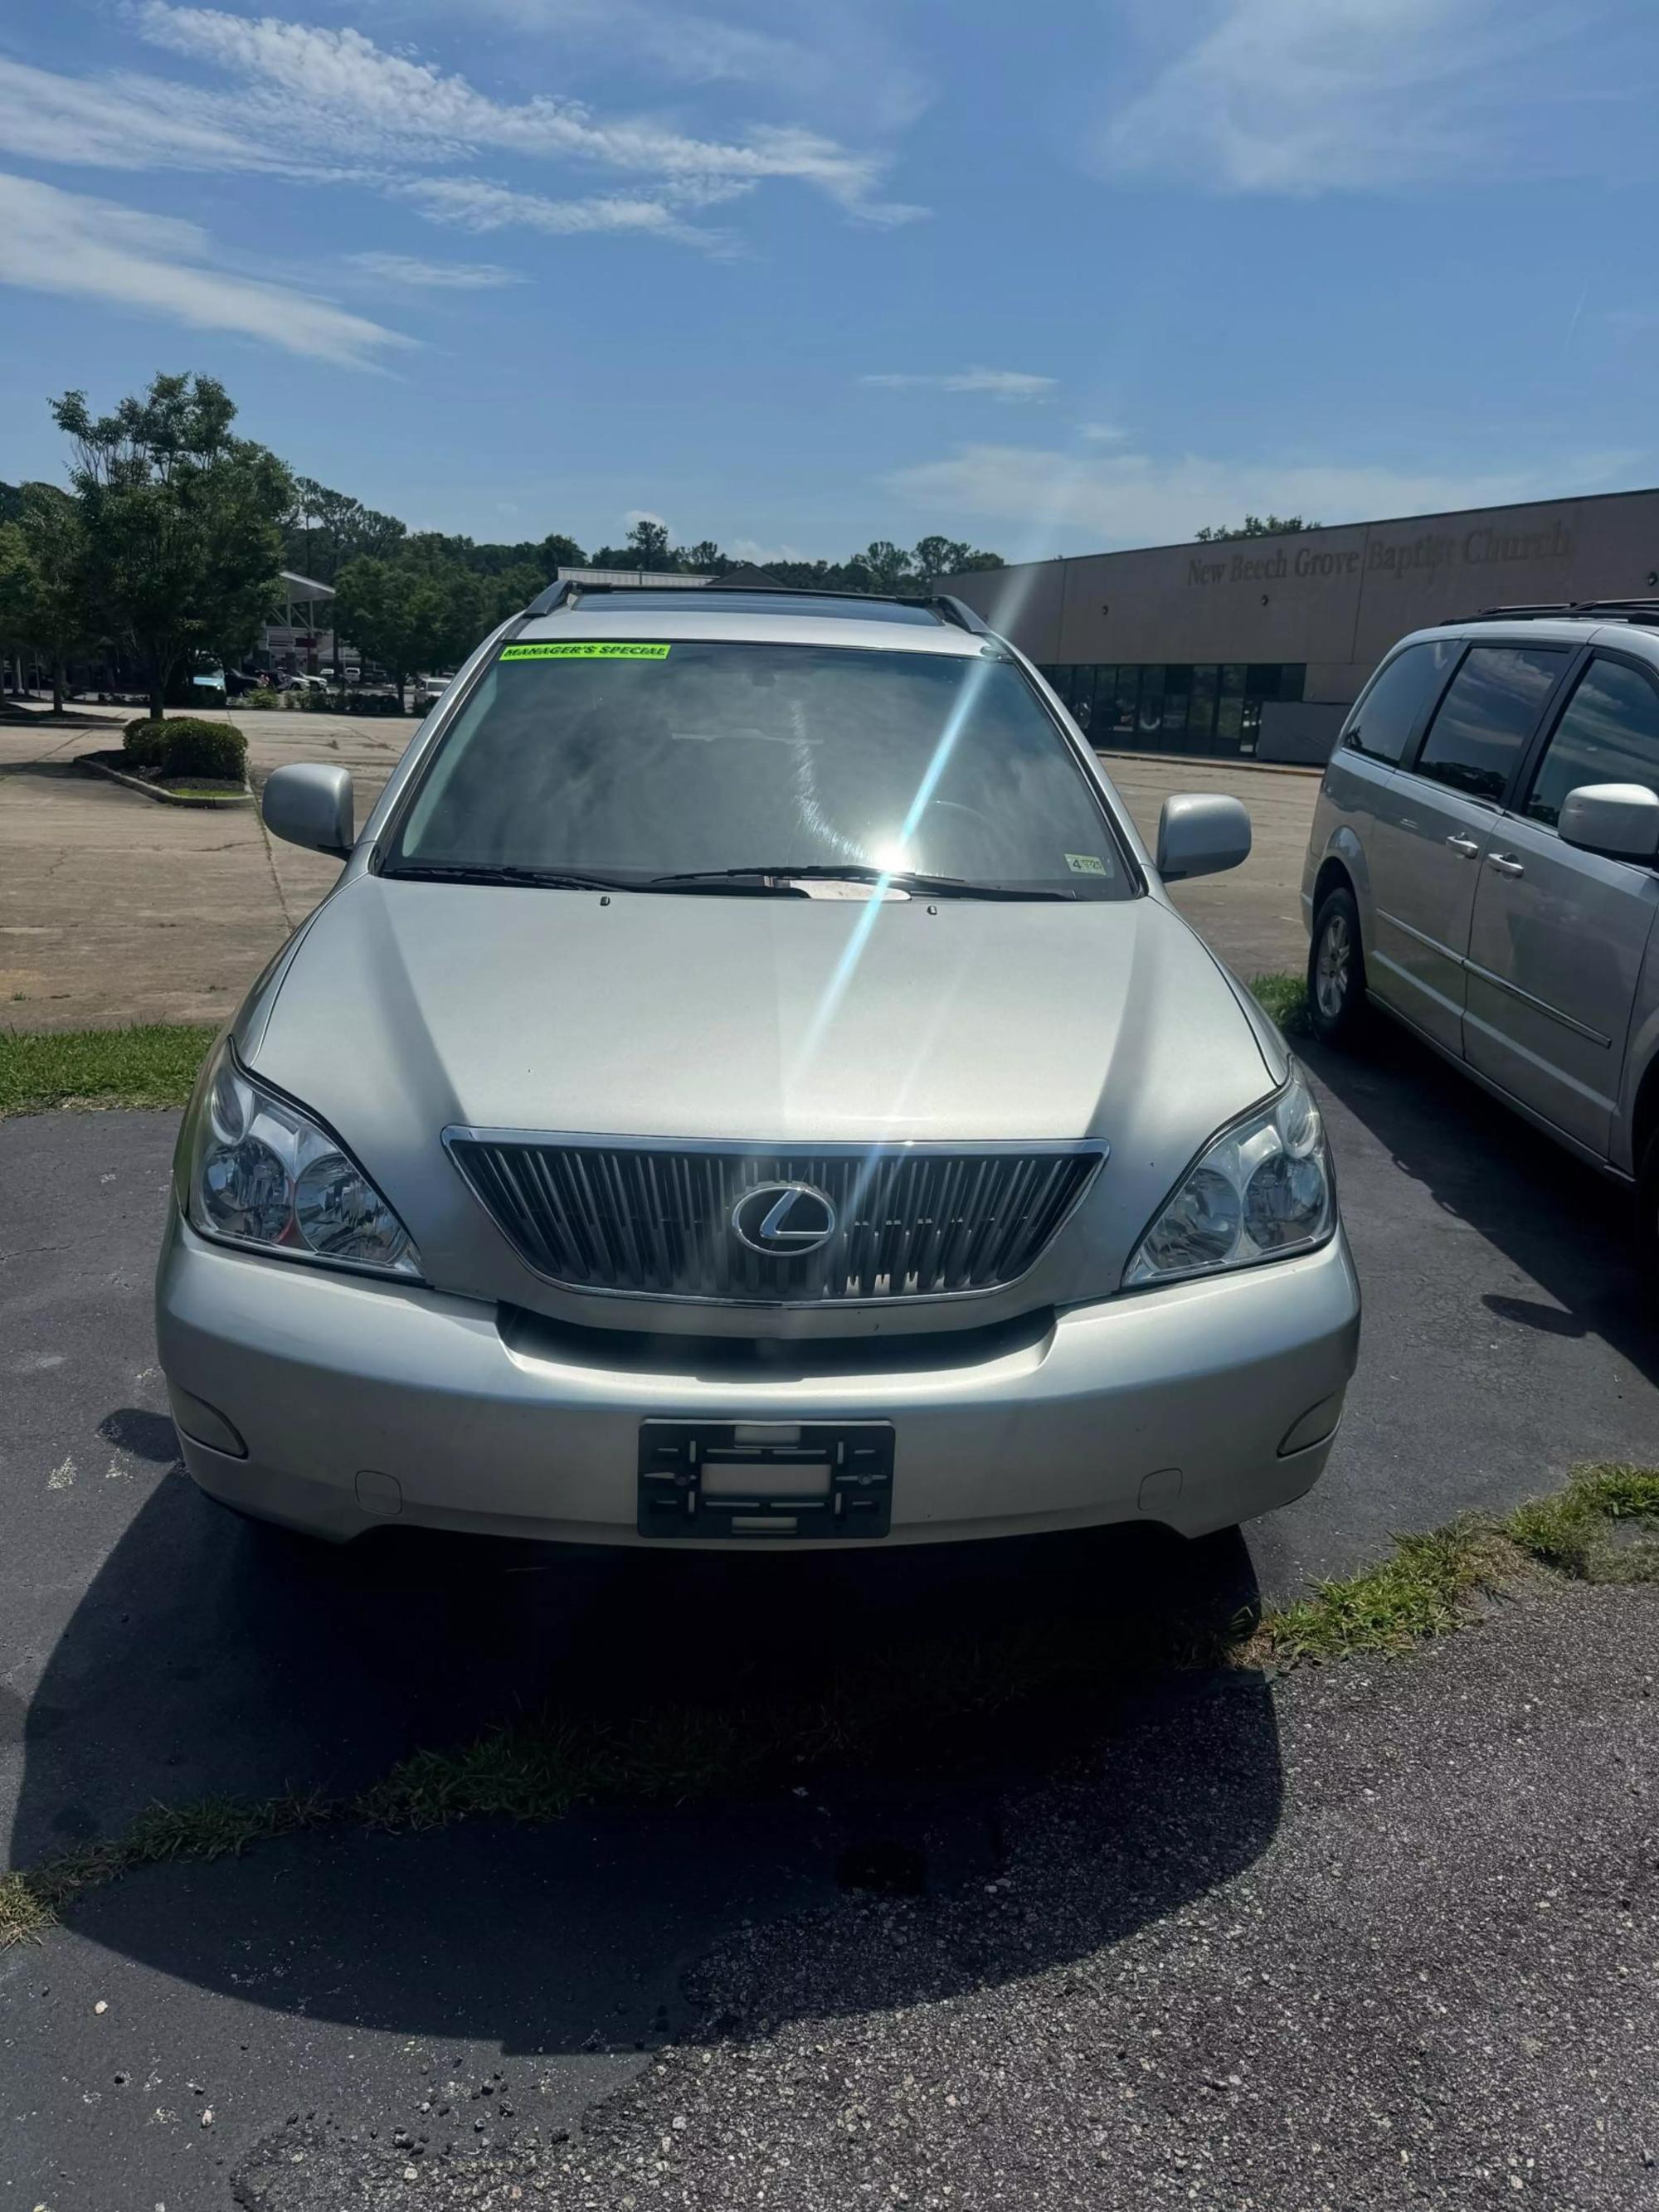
[750, 1085]
[1482, 864]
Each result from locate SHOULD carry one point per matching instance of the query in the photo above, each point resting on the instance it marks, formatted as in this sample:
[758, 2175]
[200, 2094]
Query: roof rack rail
[948, 608]
[958, 611]
[1633, 610]
[545, 602]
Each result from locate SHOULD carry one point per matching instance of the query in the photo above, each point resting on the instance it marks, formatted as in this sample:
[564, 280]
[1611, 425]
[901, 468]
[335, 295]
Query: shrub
[182, 744]
[262, 698]
[197, 748]
[144, 743]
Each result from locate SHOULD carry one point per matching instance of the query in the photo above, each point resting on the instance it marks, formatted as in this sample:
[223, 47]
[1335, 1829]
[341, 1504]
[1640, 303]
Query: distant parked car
[352, 673]
[1482, 864]
[308, 684]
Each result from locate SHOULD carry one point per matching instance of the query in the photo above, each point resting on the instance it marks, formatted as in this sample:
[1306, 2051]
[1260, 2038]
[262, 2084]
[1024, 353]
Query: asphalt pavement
[473, 1992]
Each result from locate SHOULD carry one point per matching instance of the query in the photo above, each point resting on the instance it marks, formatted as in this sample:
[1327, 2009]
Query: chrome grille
[655, 1220]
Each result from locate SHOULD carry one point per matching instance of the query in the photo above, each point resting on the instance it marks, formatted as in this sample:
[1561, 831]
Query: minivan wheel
[1336, 970]
[1647, 1213]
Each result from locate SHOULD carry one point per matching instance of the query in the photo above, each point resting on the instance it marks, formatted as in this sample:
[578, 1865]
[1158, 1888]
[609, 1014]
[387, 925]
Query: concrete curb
[1217, 760]
[86, 765]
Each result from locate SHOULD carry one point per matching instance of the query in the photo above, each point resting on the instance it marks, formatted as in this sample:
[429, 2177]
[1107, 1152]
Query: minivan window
[1387, 711]
[1490, 710]
[640, 762]
[1608, 734]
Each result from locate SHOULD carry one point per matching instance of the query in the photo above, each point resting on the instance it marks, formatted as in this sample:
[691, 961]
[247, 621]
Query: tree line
[167, 547]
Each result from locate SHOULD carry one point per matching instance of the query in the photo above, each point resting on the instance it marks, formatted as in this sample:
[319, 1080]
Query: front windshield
[654, 759]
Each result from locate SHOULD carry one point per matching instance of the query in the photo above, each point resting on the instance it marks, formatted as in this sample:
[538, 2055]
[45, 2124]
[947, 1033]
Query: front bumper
[362, 1401]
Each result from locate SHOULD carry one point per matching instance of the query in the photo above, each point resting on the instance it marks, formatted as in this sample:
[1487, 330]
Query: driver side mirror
[1620, 820]
[1199, 834]
[312, 805]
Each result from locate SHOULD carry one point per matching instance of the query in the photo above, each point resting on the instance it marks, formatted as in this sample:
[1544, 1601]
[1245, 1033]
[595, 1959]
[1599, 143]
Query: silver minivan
[1482, 864]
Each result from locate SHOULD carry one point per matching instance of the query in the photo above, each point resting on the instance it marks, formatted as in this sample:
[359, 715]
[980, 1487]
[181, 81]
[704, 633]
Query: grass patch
[208, 1828]
[938, 1703]
[1425, 1587]
[153, 1064]
[1602, 1527]
[1286, 998]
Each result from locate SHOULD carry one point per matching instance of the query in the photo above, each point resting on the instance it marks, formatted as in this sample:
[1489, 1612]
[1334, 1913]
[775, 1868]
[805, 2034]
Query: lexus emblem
[784, 1220]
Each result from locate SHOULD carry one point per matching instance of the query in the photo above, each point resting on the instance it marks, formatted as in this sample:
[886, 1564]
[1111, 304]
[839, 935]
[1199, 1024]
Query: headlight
[1259, 1191]
[265, 1174]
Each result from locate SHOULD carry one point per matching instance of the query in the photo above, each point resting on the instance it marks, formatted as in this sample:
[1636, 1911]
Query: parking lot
[115, 909]
[1126, 1978]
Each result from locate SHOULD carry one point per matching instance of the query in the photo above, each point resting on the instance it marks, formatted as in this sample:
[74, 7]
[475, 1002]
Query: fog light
[198, 1421]
[1316, 1425]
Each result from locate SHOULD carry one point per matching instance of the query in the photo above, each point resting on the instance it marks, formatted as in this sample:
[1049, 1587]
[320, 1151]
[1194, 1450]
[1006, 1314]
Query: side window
[1386, 712]
[1608, 734]
[1490, 708]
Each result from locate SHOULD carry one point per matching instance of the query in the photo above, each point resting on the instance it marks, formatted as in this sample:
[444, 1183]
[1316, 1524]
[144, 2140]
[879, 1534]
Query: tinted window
[1489, 712]
[1387, 710]
[1609, 735]
[714, 757]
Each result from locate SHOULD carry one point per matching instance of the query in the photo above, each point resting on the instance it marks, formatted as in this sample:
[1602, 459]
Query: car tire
[1336, 971]
[1647, 1215]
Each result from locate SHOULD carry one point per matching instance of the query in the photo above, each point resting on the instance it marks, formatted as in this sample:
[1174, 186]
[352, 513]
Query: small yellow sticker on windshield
[584, 649]
[1086, 864]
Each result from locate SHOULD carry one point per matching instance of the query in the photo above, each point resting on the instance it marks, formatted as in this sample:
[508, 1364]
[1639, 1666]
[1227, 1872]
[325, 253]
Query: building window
[1157, 707]
[1150, 720]
[1200, 707]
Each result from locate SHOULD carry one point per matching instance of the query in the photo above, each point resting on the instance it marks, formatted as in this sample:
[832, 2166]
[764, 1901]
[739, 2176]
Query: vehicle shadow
[1564, 1227]
[206, 1658]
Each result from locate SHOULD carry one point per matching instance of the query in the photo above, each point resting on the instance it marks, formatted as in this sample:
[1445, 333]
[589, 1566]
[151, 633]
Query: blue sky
[1051, 278]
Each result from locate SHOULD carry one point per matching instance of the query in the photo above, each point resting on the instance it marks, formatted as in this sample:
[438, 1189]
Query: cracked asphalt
[1435, 1985]
[273, 2024]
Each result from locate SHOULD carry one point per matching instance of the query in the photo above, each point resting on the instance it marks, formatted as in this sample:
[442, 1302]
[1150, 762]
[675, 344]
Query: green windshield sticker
[1086, 864]
[584, 649]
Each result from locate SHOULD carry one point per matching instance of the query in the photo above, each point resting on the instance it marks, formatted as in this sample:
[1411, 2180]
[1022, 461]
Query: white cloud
[1101, 433]
[636, 515]
[126, 121]
[432, 276]
[1308, 96]
[995, 383]
[64, 242]
[1144, 499]
[844, 62]
[334, 92]
[477, 204]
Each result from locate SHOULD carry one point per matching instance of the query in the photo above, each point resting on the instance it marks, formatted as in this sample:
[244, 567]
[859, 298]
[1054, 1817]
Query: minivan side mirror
[1199, 834]
[310, 805]
[1620, 820]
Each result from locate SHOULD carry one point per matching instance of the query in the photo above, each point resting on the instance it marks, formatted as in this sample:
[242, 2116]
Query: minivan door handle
[1468, 847]
[1506, 864]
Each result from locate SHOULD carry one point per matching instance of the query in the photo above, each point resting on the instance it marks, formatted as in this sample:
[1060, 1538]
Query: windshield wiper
[553, 879]
[851, 871]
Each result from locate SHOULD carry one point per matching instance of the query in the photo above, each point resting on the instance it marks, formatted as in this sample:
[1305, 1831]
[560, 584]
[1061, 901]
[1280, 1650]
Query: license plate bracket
[725, 1479]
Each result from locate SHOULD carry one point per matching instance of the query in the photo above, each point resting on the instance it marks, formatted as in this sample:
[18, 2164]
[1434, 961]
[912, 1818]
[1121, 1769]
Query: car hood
[407, 1008]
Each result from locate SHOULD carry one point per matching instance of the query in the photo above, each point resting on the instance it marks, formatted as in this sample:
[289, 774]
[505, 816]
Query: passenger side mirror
[1200, 834]
[311, 805]
[1620, 820]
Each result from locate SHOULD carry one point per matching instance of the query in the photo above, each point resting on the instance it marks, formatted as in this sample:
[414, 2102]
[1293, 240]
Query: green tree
[322, 529]
[1257, 525]
[180, 521]
[556, 551]
[405, 614]
[44, 599]
[886, 565]
[647, 545]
